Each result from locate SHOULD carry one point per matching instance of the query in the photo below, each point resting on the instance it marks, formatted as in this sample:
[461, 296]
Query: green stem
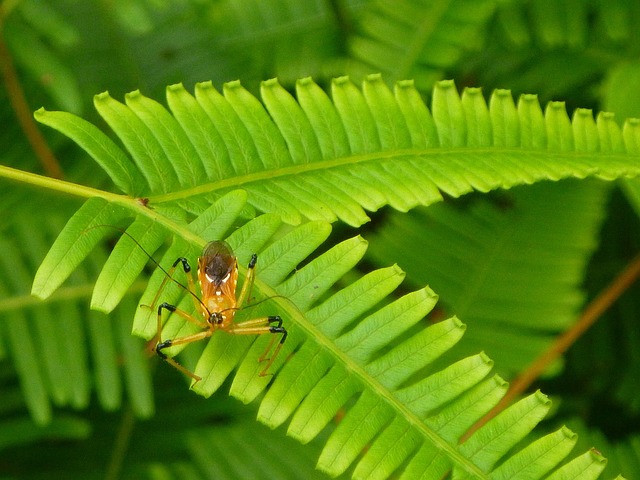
[56, 184]
[121, 445]
[136, 205]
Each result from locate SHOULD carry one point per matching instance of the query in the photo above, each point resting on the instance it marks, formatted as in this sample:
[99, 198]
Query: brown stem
[589, 316]
[23, 112]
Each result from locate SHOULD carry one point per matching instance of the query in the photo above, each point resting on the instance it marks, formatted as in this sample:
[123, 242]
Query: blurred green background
[59, 53]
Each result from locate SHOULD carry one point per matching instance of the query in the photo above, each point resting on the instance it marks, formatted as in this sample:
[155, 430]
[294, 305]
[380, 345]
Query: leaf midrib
[367, 381]
[462, 153]
[383, 393]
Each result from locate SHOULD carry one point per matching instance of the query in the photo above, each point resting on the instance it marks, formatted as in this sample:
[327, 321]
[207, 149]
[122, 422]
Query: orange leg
[181, 341]
[160, 345]
[169, 277]
[187, 316]
[245, 293]
[260, 326]
[191, 289]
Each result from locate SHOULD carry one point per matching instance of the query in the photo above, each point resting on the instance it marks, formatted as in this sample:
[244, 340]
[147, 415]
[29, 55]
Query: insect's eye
[215, 318]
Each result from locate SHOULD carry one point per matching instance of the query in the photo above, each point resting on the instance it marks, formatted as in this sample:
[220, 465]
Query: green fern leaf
[329, 159]
[588, 466]
[102, 149]
[126, 263]
[624, 454]
[79, 232]
[530, 462]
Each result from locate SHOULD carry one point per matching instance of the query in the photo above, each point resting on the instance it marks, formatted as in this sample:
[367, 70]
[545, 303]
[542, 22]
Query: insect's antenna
[153, 260]
[124, 232]
[255, 304]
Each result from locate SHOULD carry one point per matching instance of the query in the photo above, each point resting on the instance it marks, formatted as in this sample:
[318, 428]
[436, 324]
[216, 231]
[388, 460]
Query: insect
[216, 308]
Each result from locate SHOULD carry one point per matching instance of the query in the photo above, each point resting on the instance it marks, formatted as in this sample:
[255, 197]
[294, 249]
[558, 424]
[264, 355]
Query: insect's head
[216, 318]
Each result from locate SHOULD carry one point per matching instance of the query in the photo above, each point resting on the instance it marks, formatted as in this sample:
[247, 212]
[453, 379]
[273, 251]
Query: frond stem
[589, 316]
[436, 155]
[136, 206]
[121, 445]
[54, 184]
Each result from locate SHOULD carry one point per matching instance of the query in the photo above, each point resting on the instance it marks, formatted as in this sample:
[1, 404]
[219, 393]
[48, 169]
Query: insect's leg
[178, 311]
[179, 341]
[190, 287]
[245, 293]
[260, 326]
[157, 340]
[278, 328]
[179, 367]
[169, 276]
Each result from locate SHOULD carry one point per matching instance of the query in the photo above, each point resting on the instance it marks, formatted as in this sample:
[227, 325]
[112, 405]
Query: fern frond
[328, 159]
[344, 351]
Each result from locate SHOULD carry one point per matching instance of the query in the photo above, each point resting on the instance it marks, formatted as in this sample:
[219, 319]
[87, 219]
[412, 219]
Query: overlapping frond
[406, 39]
[64, 353]
[565, 24]
[352, 350]
[511, 266]
[325, 158]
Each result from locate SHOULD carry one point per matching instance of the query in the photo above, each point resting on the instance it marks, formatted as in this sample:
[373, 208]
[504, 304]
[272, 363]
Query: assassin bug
[218, 304]
[218, 278]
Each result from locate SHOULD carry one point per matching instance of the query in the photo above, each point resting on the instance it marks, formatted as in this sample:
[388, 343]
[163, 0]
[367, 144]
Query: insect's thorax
[222, 305]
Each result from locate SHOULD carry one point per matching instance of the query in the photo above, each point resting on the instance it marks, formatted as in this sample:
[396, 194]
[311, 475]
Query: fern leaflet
[328, 159]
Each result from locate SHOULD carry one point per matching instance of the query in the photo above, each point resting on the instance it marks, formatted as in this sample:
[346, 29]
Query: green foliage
[331, 345]
[498, 250]
[508, 210]
[328, 160]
